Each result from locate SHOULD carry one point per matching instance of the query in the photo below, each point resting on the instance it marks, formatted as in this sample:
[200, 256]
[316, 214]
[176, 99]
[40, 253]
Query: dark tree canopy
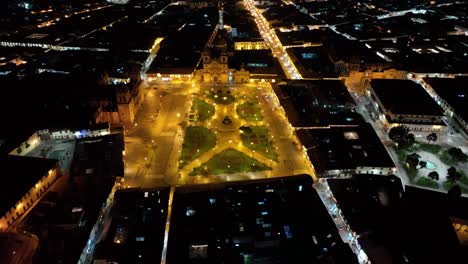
[433, 175]
[452, 174]
[432, 137]
[457, 154]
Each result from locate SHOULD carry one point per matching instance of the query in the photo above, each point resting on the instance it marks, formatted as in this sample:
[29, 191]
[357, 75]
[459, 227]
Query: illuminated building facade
[250, 45]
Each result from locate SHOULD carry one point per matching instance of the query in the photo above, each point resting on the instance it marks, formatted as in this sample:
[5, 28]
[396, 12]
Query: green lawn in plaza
[426, 182]
[257, 138]
[197, 141]
[222, 97]
[250, 111]
[204, 109]
[229, 161]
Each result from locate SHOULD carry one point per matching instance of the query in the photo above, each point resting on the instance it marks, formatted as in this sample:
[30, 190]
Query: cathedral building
[216, 65]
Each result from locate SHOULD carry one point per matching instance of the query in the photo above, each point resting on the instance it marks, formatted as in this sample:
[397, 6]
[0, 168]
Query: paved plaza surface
[153, 144]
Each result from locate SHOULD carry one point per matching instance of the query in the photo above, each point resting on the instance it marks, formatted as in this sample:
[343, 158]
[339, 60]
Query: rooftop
[315, 36]
[51, 106]
[27, 172]
[181, 52]
[379, 211]
[442, 54]
[288, 16]
[255, 61]
[343, 148]
[67, 213]
[312, 62]
[405, 97]
[99, 156]
[17, 247]
[136, 233]
[246, 222]
[311, 103]
[454, 91]
[138, 37]
[341, 48]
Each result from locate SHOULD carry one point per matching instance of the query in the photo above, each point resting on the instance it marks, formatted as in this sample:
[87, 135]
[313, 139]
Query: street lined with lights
[272, 40]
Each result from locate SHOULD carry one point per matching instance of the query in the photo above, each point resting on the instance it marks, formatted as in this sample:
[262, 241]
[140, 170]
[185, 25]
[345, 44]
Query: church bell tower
[220, 12]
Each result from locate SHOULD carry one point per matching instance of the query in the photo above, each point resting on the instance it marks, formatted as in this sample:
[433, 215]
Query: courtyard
[435, 159]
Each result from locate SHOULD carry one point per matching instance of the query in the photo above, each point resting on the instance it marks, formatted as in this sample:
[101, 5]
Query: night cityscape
[234, 131]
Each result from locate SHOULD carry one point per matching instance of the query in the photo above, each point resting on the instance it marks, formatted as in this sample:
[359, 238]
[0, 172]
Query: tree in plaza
[452, 174]
[398, 133]
[422, 164]
[413, 160]
[401, 135]
[457, 154]
[246, 129]
[431, 137]
[433, 175]
[409, 140]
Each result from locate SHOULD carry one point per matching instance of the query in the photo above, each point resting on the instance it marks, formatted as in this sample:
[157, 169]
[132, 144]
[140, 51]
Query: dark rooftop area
[454, 91]
[137, 36]
[395, 226]
[255, 61]
[300, 37]
[181, 52]
[265, 221]
[288, 16]
[99, 156]
[405, 97]
[312, 62]
[317, 103]
[341, 48]
[65, 216]
[136, 233]
[43, 102]
[342, 148]
[19, 175]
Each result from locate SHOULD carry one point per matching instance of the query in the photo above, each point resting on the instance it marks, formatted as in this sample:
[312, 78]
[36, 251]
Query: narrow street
[273, 42]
